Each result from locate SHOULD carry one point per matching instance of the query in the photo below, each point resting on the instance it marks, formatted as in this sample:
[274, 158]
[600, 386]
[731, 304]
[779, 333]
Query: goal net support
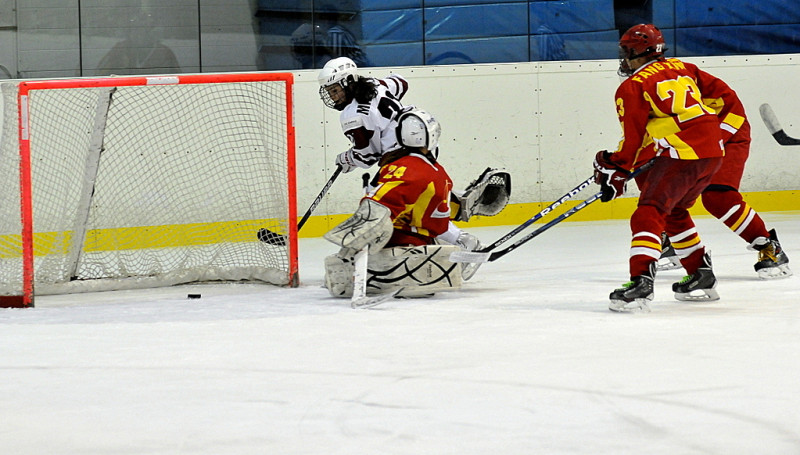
[132, 182]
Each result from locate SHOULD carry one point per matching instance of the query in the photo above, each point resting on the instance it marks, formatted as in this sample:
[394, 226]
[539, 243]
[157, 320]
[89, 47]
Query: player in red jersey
[722, 198]
[412, 184]
[661, 101]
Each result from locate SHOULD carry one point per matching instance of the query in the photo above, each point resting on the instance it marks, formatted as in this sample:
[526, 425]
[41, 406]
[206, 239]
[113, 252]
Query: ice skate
[635, 295]
[772, 260]
[698, 286]
[669, 259]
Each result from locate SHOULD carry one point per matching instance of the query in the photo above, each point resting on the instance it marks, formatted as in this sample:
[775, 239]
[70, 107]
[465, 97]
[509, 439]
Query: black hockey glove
[611, 178]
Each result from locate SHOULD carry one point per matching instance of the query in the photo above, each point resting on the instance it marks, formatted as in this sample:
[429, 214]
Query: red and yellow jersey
[719, 96]
[417, 192]
[661, 102]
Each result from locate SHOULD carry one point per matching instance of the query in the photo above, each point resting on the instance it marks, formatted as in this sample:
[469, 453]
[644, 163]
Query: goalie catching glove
[486, 196]
[611, 178]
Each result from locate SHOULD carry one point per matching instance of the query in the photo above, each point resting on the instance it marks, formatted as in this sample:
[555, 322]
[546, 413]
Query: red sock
[734, 212]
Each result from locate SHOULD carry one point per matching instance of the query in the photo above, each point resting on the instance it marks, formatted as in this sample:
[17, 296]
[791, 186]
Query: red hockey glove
[611, 178]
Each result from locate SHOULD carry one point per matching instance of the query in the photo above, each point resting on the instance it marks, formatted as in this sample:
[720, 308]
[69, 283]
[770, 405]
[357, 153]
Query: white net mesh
[149, 185]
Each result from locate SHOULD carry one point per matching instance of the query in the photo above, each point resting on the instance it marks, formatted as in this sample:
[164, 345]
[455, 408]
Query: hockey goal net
[131, 182]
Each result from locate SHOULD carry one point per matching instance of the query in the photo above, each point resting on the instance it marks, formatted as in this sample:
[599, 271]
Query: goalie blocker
[418, 270]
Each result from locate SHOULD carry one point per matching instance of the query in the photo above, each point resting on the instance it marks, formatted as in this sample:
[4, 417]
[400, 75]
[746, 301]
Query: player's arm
[719, 96]
[396, 84]
[364, 151]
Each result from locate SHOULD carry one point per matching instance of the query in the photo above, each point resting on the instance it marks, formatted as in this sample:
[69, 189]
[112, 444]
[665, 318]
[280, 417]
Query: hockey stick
[486, 256]
[273, 238]
[538, 216]
[360, 299]
[774, 127]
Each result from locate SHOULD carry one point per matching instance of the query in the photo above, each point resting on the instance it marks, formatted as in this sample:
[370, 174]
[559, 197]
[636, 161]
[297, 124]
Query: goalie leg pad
[419, 270]
[371, 225]
[487, 195]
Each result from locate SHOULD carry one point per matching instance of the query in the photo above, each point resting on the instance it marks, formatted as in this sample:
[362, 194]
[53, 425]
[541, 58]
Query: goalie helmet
[417, 128]
[340, 71]
[641, 40]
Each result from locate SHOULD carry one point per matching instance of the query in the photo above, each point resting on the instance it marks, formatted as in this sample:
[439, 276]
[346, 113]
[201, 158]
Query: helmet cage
[340, 71]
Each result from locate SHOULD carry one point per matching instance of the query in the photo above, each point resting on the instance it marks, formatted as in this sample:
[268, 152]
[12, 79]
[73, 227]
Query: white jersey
[371, 127]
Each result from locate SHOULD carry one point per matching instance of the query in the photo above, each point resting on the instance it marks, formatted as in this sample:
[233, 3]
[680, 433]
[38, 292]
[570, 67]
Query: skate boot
[669, 260]
[468, 242]
[635, 295]
[772, 260]
[699, 286]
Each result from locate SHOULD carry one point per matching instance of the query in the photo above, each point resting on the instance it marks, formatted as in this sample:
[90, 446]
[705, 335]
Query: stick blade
[369, 302]
[769, 118]
[469, 256]
[271, 237]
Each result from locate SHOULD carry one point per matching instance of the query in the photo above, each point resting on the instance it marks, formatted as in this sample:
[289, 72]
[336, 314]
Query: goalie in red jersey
[402, 219]
[660, 100]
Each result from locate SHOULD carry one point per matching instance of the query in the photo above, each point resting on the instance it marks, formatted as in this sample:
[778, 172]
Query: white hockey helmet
[418, 128]
[341, 71]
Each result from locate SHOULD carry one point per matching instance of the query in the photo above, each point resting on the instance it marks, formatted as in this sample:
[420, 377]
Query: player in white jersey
[369, 111]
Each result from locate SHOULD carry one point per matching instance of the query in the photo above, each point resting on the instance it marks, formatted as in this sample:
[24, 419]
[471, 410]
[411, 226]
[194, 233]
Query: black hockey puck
[193, 296]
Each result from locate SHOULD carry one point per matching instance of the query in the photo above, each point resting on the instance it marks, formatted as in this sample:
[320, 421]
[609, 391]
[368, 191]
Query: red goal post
[131, 182]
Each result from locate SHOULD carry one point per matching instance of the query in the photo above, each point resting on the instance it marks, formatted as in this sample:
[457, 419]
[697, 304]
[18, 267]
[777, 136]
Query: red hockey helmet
[640, 41]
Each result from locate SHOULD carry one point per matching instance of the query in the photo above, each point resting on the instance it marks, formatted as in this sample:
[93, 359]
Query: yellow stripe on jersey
[734, 120]
[421, 204]
[385, 188]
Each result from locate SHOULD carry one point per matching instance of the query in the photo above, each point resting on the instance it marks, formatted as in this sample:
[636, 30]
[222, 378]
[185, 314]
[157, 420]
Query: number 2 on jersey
[685, 95]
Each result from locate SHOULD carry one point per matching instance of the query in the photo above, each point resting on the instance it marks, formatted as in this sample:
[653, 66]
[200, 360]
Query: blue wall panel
[575, 46]
[480, 50]
[742, 40]
[401, 54]
[504, 19]
[379, 5]
[391, 26]
[571, 16]
[697, 13]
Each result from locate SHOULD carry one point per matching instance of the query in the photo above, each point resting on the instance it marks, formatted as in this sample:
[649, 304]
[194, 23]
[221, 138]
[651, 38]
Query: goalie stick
[360, 299]
[486, 256]
[774, 127]
[273, 238]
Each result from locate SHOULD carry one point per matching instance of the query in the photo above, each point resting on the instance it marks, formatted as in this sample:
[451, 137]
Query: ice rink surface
[526, 359]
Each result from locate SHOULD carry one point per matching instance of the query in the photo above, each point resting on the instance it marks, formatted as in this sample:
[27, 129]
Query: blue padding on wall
[572, 15]
[475, 21]
[575, 46]
[480, 50]
[740, 39]
[402, 54]
[379, 5]
[391, 26]
[696, 13]
[429, 3]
